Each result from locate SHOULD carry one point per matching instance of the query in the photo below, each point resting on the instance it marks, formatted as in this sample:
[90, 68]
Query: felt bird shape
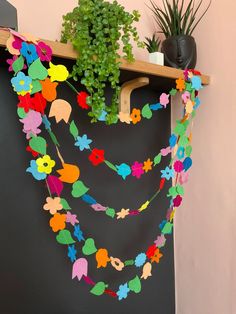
[69, 173]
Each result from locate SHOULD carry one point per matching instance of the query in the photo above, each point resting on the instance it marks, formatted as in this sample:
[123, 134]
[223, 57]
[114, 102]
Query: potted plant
[153, 46]
[97, 29]
[177, 20]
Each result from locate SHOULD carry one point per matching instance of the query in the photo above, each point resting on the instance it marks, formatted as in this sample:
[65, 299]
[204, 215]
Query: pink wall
[204, 230]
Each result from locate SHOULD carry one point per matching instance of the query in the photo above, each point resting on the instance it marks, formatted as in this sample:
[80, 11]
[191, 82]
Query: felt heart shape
[135, 285]
[89, 247]
[37, 70]
[64, 237]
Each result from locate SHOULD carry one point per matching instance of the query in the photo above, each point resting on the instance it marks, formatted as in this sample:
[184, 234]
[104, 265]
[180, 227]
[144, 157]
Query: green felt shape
[99, 288]
[188, 150]
[89, 247]
[188, 87]
[79, 189]
[111, 212]
[38, 144]
[37, 87]
[167, 229]
[157, 159]
[172, 191]
[37, 71]
[135, 285]
[110, 165]
[180, 190]
[183, 141]
[21, 113]
[147, 112]
[64, 237]
[179, 129]
[173, 92]
[129, 262]
[74, 130]
[193, 113]
[53, 138]
[65, 204]
[18, 64]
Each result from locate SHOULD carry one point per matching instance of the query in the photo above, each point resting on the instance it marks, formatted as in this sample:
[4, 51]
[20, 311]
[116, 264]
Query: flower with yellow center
[45, 164]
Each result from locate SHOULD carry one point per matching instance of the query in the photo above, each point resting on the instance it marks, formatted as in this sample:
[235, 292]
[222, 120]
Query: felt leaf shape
[55, 185]
[110, 165]
[111, 212]
[80, 268]
[167, 229]
[38, 144]
[37, 70]
[61, 110]
[18, 64]
[36, 87]
[74, 130]
[64, 237]
[65, 204]
[79, 189]
[89, 247]
[10, 47]
[147, 271]
[129, 262]
[188, 150]
[144, 206]
[49, 90]
[173, 92]
[53, 138]
[58, 72]
[157, 159]
[135, 285]
[21, 113]
[102, 258]
[147, 112]
[69, 173]
[99, 288]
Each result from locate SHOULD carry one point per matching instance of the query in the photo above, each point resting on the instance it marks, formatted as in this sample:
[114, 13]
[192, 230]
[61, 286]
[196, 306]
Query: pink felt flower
[165, 151]
[11, 61]
[178, 166]
[17, 43]
[185, 96]
[164, 99]
[31, 123]
[44, 51]
[183, 178]
[137, 169]
[177, 201]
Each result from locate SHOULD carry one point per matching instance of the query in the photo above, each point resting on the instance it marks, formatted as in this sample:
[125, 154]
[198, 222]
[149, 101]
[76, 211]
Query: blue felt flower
[123, 291]
[83, 142]
[196, 82]
[21, 82]
[72, 253]
[180, 152]
[155, 107]
[197, 103]
[140, 259]
[172, 140]
[78, 233]
[46, 122]
[103, 116]
[29, 52]
[167, 173]
[123, 170]
[88, 199]
[33, 169]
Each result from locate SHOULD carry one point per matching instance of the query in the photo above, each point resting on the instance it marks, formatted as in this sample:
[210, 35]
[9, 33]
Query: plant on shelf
[177, 19]
[97, 29]
[152, 44]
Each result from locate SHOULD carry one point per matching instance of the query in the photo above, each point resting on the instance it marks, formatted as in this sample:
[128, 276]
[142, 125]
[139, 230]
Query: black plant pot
[180, 52]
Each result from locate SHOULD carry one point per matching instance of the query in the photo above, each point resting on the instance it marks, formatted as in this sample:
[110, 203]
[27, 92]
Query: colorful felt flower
[72, 253]
[44, 51]
[82, 100]
[45, 164]
[58, 222]
[123, 170]
[53, 205]
[29, 52]
[140, 259]
[123, 291]
[49, 89]
[135, 115]
[183, 178]
[180, 84]
[21, 83]
[160, 241]
[78, 233]
[33, 169]
[11, 61]
[151, 251]
[180, 152]
[137, 169]
[25, 102]
[167, 173]
[83, 142]
[97, 156]
[71, 218]
[164, 99]
[147, 165]
[39, 103]
[156, 256]
[17, 43]
[178, 166]
[123, 213]
[177, 201]
[31, 123]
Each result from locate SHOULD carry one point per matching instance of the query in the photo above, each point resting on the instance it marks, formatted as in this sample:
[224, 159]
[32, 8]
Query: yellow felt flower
[45, 164]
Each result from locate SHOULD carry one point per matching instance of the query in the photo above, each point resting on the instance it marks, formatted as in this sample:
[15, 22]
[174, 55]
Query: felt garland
[32, 113]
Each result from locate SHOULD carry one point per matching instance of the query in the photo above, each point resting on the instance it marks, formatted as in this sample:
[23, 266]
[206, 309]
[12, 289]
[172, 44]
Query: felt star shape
[123, 213]
[156, 257]
[72, 219]
[147, 165]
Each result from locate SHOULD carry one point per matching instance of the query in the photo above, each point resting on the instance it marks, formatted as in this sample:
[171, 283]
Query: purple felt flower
[44, 51]
[137, 169]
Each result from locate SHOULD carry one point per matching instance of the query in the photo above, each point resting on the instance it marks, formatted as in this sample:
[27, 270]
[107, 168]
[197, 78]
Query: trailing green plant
[176, 17]
[97, 29]
[152, 44]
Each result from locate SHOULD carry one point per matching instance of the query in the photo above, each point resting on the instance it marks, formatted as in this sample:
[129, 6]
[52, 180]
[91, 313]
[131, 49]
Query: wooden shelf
[66, 51]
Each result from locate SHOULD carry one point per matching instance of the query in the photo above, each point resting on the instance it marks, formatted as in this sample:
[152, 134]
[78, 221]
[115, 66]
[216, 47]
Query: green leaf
[18, 64]
[173, 92]
[74, 130]
[53, 138]
[147, 112]
[110, 165]
[79, 189]
[188, 151]
[183, 141]
[179, 129]
[111, 212]
[65, 204]
[37, 70]
[37, 87]
[157, 159]
[172, 192]
[38, 144]
[167, 229]
[135, 285]
[180, 189]
[99, 288]
[64, 237]
[21, 113]
[129, 262]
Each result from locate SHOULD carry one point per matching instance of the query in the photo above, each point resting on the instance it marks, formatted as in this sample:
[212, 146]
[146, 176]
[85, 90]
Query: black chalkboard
[35, 273]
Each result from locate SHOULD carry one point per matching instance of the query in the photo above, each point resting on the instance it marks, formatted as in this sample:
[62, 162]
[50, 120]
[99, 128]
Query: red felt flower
[30, 150]
[97, 156]
[82, 100]
[25, 102]
[151, 251]
[39, 102]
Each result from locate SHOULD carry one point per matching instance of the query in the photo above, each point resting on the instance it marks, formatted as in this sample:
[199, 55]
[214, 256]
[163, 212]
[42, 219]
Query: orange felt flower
[53, 205]
[147, 165]
[156, 257]
[49, 90]
[58, 222]
[180, 84]
[135, 115]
